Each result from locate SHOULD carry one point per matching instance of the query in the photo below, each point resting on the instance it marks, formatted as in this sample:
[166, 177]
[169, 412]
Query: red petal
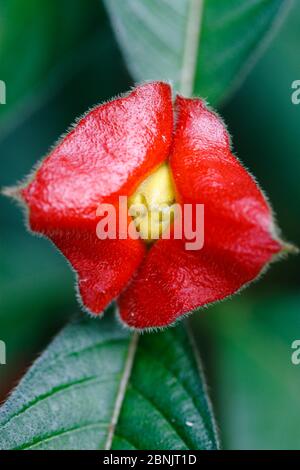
[103, 266]
[205, 171]
[239, 231]
[107, 153]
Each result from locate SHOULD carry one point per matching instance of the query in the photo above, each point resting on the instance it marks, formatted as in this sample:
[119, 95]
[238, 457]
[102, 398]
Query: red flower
[109, 153]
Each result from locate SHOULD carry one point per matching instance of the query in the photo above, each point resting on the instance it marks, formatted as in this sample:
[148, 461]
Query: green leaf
[203, 47]
[98, 386]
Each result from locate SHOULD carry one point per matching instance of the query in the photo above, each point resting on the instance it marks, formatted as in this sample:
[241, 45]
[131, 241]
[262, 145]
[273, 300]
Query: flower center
[151, 204]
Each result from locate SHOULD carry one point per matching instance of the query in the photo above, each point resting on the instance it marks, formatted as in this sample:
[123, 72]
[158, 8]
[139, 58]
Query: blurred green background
[57, 66]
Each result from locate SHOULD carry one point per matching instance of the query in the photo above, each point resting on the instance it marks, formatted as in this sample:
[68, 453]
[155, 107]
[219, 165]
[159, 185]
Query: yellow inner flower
[151, 204]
